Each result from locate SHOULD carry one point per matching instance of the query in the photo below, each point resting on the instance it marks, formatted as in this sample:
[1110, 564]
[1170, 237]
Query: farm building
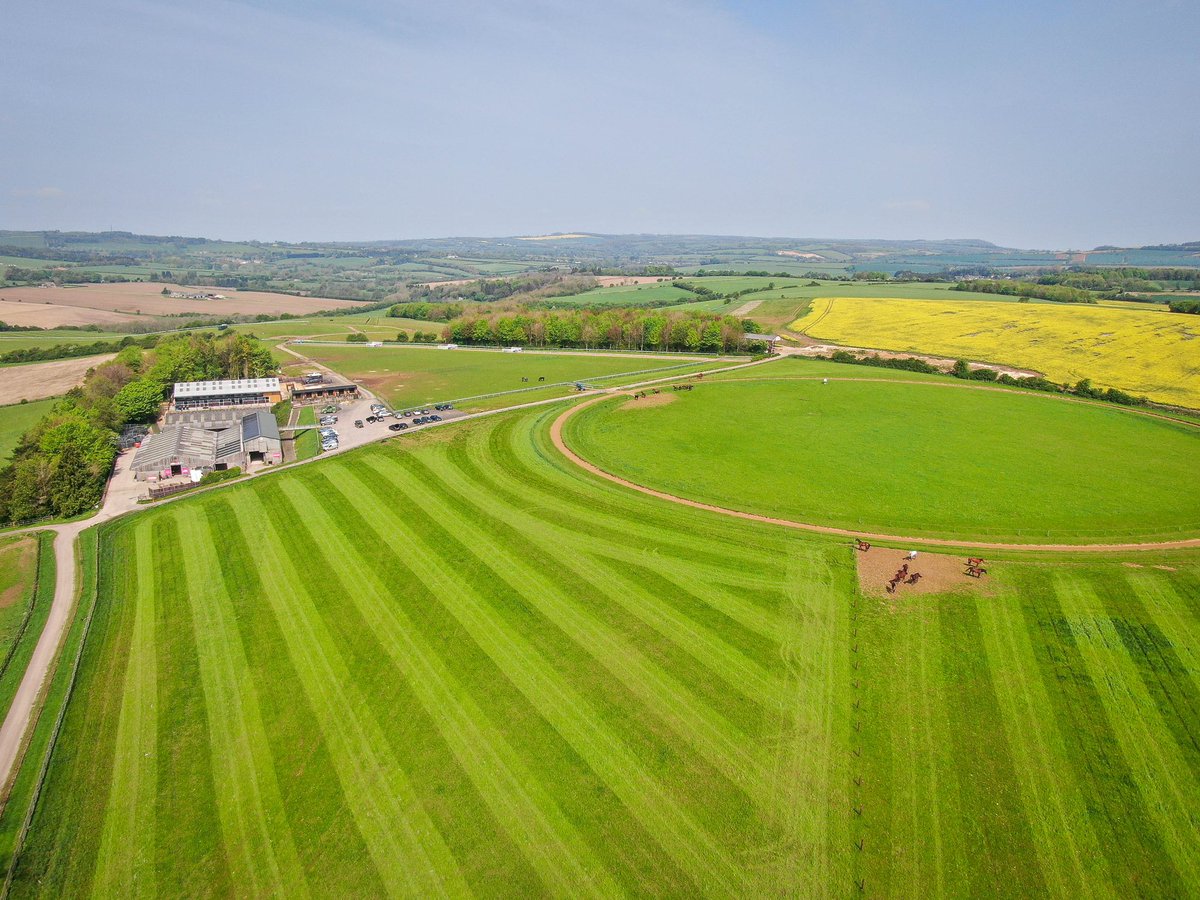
[260, 437]
[232, 392]
[215, 443]
[176, 450]
[314, 393]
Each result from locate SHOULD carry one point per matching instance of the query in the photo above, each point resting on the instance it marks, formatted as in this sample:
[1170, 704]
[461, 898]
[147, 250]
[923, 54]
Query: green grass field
[456, 664]
[408, 376]
[16, 419]
[26, 591]
[942, 460]
[307, 444]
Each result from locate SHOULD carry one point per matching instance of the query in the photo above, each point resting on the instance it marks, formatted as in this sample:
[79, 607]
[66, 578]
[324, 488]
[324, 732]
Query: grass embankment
[30, 777]
[18, 418]
[908, 459]
[510, 672]
[412, 376]
[26, 592]
[1146, 352]
[307, 444]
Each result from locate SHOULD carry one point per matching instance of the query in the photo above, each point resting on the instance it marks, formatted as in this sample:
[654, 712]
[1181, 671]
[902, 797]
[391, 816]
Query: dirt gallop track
[556, 429]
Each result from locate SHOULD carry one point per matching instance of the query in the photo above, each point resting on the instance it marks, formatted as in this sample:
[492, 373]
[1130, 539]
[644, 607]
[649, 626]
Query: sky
[1031, 124]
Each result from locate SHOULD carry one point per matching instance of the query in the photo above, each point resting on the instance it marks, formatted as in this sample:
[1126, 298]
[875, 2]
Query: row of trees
[1055, 292]
[962, 369]
[1190, 305]
[60, 466]
[610, 329]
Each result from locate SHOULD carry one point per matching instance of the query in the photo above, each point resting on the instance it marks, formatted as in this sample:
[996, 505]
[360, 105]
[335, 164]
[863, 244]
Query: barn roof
[176, 442]
[259, 424]
[226, 387]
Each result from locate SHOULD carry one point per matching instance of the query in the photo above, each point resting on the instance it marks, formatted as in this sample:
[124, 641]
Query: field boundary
[556, 429]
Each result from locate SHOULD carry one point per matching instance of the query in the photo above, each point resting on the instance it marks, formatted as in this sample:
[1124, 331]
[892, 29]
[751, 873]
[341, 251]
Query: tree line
[962, 369]
[1055, 292]
[60, 466]
[1188, 305]
[608, 329]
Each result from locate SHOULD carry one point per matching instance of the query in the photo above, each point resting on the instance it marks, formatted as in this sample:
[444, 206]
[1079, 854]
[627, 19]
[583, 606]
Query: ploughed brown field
[102, 304]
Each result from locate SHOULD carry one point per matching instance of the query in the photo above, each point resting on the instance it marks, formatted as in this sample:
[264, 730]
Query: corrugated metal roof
[260, 424]
[176, 442]
[226, 387]
[761, 337]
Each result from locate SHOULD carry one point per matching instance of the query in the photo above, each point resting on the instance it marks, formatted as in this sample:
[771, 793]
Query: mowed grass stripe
[681, 838]
[1168, 608]
[258, 839]
[742, 674]
[593, 506]
[1159, 770]
[478, 843]
[808, 825]
[520, 564]
[125, 862]
[322, 824]
[993, 819]
[629, 852]
[916, 767]
[1133, 850]
[511, 481]
[189, 846]
[1068, 848]
[405, 846]
[563, 860]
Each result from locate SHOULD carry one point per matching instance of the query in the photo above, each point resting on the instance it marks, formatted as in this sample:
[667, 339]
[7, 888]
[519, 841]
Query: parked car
[329, 410]
[435, 418]
[398, 426]
[408, 412]
[358, 423]
[372, 419]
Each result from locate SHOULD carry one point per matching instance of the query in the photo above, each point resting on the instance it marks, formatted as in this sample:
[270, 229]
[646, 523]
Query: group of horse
[902, 576]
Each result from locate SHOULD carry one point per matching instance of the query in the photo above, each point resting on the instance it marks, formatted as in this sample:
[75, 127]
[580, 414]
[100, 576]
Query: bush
[215, 477]
[356, 338]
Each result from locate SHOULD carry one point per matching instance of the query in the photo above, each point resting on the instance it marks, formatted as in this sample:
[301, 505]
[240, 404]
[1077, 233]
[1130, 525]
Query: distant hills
[453, 257]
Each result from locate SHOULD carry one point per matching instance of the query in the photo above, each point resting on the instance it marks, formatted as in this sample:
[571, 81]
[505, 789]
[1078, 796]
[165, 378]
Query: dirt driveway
[36, 381]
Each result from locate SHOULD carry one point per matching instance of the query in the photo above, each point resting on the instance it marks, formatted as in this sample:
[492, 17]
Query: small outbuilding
[260, 438]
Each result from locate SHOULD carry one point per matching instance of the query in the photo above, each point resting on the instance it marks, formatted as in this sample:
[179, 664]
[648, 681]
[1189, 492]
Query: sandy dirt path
[746, 308]
[556, 429]
[36, 381]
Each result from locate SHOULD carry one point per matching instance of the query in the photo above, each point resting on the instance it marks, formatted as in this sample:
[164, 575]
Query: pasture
[456, 664]
[911, 458]
[1147, 352]
[16, 419]
[409, 376]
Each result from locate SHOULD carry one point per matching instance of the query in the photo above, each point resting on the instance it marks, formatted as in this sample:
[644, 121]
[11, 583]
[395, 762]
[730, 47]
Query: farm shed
[175, 450]
[318, 392]
[231, 392]
[260, 437]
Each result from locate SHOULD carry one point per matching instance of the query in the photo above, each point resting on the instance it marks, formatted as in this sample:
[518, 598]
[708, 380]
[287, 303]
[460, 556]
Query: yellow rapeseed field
[1147, 352]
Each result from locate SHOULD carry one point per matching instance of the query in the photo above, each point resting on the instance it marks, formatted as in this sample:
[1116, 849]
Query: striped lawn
[455, 665]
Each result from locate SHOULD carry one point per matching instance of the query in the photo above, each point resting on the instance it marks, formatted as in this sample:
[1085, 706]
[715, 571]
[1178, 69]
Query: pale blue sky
[1032, 124]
